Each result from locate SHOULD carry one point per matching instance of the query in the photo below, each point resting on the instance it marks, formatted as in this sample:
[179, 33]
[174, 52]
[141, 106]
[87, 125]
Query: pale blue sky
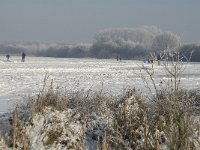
[75, 21]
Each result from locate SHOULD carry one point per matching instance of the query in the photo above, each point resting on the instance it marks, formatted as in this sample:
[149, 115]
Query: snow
[19, 80]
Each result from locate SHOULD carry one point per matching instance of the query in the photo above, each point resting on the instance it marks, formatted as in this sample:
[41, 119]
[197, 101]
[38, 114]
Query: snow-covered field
[20, 79]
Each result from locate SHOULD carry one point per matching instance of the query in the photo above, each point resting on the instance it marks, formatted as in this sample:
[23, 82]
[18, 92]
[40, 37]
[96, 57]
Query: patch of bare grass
[53, 136]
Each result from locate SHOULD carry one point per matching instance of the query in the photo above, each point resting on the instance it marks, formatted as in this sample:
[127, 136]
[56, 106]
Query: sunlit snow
[21, 79]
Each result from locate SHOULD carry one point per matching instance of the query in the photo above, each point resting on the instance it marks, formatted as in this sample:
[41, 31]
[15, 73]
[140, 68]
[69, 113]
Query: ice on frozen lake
[21, 79]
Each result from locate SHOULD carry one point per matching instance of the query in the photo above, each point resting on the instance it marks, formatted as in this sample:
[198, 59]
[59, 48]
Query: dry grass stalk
[24, 140]
[33, 111]
[105, 145]
[82, 144]
[14, 127]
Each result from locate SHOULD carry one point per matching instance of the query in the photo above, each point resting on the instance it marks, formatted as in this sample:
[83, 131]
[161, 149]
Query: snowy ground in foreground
[20, 79]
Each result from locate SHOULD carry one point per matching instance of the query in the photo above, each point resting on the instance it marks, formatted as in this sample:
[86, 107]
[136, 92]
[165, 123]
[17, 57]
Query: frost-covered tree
[165, 41]
[124, 42]
[142, 36]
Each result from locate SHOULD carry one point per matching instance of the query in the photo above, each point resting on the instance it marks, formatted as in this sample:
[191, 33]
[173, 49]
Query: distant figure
[23, 57]
[8, 57]
[117, 58]
[150, 59]
[158, 59]
[145, 61]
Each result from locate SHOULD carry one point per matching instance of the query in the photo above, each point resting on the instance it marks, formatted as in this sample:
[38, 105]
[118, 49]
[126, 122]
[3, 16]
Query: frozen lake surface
[20, 79]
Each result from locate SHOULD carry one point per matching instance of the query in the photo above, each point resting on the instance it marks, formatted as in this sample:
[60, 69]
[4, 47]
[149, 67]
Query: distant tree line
[64, 52]
[96, 50]
[126, 43]
[186, 50]
[7, 49]
[108, 51]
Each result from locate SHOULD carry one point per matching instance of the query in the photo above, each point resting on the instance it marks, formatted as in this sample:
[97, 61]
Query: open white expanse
[20, 79]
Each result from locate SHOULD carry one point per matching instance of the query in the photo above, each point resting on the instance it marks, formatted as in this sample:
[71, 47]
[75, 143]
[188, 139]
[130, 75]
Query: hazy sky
[75, 21]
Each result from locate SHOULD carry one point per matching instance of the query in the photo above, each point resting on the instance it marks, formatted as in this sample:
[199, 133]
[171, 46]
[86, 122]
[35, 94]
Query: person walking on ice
[158, 59]
[23, 57]
[8, 57]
